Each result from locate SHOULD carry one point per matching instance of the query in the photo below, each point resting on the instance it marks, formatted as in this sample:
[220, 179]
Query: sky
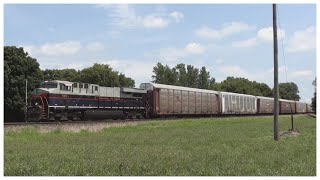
[229, 40]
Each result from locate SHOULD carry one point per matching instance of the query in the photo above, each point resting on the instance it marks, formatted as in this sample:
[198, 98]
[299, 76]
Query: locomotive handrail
[47, 106]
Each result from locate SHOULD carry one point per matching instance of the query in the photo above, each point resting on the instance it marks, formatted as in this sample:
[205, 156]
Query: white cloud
[301, 74]
[227, 30]
[264, 35]
[281, 69]
[140, 71]
[125, 16]
[303, 41]
[245, 43]
[219, 61]
[95, 46]
[54, 49]
[174, 54]
[195, 48]
[171, 54]
[177, 16]
[154, 22]
[232, 70]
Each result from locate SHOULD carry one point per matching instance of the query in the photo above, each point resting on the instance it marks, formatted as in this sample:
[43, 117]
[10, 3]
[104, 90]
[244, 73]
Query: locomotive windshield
[48, 85]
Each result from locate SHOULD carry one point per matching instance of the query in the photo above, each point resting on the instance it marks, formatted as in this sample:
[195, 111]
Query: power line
[285, 66]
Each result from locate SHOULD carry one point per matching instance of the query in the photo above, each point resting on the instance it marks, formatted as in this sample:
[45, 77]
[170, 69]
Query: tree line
[190, 76]
[19, 66]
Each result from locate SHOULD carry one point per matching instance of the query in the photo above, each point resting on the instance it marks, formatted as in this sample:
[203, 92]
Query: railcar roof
[237, 94]
[165, 86]
[262, 97]
[286, 100]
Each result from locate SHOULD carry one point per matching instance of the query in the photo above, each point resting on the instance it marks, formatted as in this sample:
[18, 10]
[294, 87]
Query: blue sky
[230, 40]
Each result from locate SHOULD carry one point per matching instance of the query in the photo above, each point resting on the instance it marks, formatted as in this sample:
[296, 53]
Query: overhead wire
[285, 65]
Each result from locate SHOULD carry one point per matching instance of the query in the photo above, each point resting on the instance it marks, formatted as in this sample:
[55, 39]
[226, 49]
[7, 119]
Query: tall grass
[209, 147]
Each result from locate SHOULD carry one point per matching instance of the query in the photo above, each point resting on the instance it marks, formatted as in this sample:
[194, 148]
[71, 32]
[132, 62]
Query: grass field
[208, 146]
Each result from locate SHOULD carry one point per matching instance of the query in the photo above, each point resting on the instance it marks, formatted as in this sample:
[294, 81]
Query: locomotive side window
[86, 86]
[81, 85]
[62, 86]
[75, 85]
[96, 88]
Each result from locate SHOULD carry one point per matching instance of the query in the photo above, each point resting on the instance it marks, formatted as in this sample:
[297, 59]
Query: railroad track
[94, 121]
[72, 122]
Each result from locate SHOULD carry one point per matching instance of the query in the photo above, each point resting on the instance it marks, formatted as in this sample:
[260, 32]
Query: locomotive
[64, 100]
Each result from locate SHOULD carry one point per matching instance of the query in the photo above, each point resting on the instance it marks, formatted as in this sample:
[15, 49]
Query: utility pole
[276, 87]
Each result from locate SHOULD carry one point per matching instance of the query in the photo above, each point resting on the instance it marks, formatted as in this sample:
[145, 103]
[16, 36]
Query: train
[63, 100]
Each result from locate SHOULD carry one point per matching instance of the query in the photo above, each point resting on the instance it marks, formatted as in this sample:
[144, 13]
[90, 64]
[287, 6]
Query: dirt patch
[73, 127]
[289, 133]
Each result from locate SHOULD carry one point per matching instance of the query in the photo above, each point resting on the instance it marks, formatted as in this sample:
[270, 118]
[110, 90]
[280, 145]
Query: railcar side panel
[211, 103]
[266, 106]
[204, 103]
[198, 103]
[301, 107]
[170, 101]
[163, 101]
[177, 101]
[233, 103]
[185, 102]
[287, 107]
[192, 103]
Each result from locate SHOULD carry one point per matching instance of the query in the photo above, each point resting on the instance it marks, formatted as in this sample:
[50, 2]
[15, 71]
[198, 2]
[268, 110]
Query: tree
[63, 74]
[262, 89]
[159, 73]
[126, 81]
[182, 74]
[204, 78]
[18, 66]
[314, 99]
[165, 75]
[243, 86]
[289, 91]
[192, 76]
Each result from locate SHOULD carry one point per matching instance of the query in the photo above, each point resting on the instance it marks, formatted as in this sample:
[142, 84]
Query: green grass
[209, 147]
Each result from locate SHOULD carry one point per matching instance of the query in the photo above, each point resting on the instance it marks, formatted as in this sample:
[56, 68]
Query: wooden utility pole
[276, 88]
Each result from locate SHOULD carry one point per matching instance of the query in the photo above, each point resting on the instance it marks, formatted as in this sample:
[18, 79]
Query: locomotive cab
[38, 107]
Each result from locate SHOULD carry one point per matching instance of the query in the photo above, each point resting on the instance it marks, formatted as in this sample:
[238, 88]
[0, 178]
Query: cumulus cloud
[227, 30]
[154, 22]
[195, 48]
[233, 70]
[54, 49]
[177, 16]
[130, 67]
[303, 41]
[264, 35]
[174, 54]
[95, 46]
[125, 16]
[302, 74]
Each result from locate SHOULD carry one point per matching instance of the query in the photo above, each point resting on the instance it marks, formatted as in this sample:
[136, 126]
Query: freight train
[64, 100]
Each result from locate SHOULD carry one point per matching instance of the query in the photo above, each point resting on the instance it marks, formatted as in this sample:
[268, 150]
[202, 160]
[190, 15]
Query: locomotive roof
[68, 82]
[164, 86]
